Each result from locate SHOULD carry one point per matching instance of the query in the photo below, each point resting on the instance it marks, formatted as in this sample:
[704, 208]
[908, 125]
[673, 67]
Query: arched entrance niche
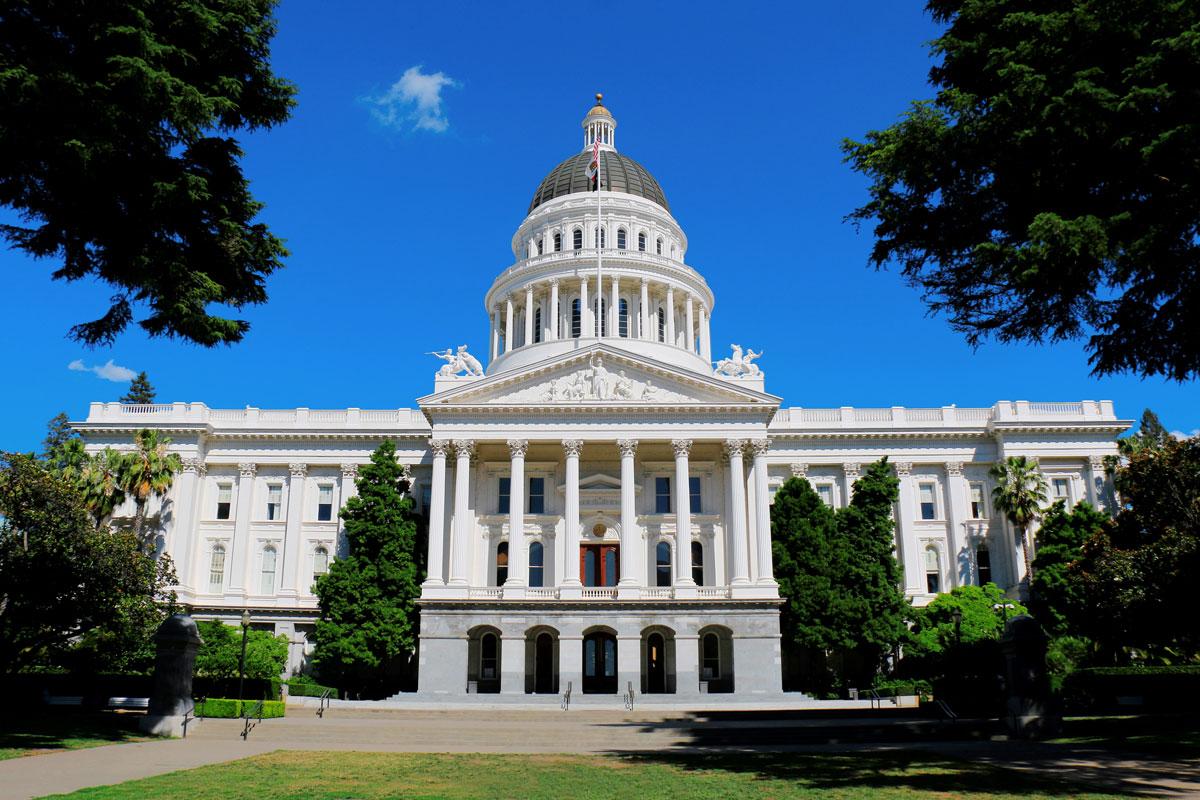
[541, 660]
[483, 660]
[599, 661]
[658, 660]
[716, 658]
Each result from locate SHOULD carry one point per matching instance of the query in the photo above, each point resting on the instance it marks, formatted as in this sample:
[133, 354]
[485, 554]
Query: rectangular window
[275, 501]
[426, 493]
[928, 506]
[224, 498]
[320, 563]
[216, 571]
[978, 511]
[933, 571]
[662, 495]
[268, 571]
[983, 560]
[694, 495]
[825, 492]
[1062, 489]
[537, 495]
[324, 503]
[505, 496]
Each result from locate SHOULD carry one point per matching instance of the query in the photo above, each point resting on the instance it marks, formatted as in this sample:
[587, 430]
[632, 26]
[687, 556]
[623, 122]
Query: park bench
[64, 700]
[129, 703]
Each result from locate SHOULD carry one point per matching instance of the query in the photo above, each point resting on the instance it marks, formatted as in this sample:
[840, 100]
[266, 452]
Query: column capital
[852, 469]
[799, 469]
[350, 471]
[518, 447]
[464, 448]
[628, 447]
[759, 447]
[954, 469]
[1096, 462]
[644, 281]
[583, 280]
[195, 465]
[572, 447]
[439, 447]
[681, 447]
[734, 447]
[247, 469]
[554, 283]
[298, 470]
[903, 469]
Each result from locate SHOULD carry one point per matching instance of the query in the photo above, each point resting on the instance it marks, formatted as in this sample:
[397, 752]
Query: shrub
[309, 688]
[900, 688]
[225, 708]
[1160, 688]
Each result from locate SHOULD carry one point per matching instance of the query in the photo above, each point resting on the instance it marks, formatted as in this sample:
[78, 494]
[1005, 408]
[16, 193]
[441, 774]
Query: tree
[935, 631]
[1059, 601]
[1049, 191]
[149, 470]
[1019, 495]
[115, 123]
[803, 536]
[368, 622]
[62, 577]
[100, 482]
[58, 433]
[140, 391]
[221, 653]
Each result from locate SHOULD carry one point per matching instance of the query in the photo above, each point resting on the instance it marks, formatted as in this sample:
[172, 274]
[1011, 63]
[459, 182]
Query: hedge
[309, 690]
[223, 708]
[901, 688]
[1159, 688]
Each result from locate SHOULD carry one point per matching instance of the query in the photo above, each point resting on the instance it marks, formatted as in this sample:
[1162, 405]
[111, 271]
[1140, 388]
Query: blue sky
[398, 215]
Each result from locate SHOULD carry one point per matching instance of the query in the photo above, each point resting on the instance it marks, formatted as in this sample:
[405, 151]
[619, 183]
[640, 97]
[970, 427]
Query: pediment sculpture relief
[594, 382]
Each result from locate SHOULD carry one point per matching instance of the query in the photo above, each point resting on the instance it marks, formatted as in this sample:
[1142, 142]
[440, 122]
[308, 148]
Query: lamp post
[956, 614]
[1003, 608]
[242, 663]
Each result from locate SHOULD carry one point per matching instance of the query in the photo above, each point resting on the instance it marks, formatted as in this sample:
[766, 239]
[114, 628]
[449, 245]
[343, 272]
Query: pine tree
[140, 391]
[58, 433]
[803, 530]
[368, 623]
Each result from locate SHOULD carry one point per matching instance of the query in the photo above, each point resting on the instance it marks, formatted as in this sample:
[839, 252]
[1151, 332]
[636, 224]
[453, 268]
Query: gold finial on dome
[599, 108]
[599, 97]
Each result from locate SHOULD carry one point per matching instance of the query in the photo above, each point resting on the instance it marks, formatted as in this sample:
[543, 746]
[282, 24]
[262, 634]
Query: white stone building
[598, 497]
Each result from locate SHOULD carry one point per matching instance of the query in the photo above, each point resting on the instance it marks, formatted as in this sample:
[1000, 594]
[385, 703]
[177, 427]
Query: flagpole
[599, 242]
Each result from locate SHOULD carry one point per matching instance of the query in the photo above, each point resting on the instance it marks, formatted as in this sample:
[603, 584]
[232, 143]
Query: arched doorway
[656, 664]
[543, 664]
[600, 663]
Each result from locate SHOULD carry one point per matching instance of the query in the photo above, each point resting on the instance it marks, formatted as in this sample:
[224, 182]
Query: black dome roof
[618, 173]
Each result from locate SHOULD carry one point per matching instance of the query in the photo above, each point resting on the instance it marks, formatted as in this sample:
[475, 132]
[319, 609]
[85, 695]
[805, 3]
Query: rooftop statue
[457, 362]
[739, 365]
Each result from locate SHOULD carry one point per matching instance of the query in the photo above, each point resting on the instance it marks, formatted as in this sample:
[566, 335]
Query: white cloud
[109, 372]
[1180, 435]
[415, 99]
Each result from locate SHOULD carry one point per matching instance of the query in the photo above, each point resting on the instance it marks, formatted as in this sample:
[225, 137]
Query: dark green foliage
[803, 535]
[65, 582]
[1049, 192]
[933, 628]
[1163, 689]
[368, 625]
[305, 686]
[219, 656]
[1058, 601]
[58, 433]
[115, 134]
[140, 391]
[224, 708]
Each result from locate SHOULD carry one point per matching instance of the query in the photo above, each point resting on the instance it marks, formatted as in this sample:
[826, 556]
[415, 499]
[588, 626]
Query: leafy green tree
[61, 576]
[219, 656]
[100, 481]
[1050, 189]
[1059, 601]
[140, 391]
[803, 537]
[934, 629]
[1019, 494]
[148, 471]
[368, 623]
[116, 123]
[58, 433]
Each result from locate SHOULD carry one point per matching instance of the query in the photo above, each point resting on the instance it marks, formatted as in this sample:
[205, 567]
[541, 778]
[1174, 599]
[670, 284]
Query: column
[516, 515]
[683, 514]
[644, 311]
[572, 448]
[461, 540]
[762, 512]
[183, 533]
[495, 332]
[435, 564]
[958, 559]
[850, 471]
[554, 309]
[289, 580]
[529, 314]
[239, 549]
[670, 314]
[1097, 493]
[512, 661]
[614, 308]
[508, 323]
[629, 540]
[705, 338]
[736, 527]
[910, 552]
[585, 310]
[691, 328]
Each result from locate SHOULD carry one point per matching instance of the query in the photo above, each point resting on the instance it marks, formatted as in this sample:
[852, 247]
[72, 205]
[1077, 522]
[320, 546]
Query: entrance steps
[648, 702]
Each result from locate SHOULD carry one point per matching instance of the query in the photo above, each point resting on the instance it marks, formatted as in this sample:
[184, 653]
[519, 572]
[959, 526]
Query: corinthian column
[571, 447]
[461, 543]
[585, 311]
[644, 312]
[628, 448]
[528, 320]
[508, 323]
[737, 514]
[435, 563]
[683, 514]
[516, 513]
[762, 512]
[291, 536]
[671, 317]
[554, 309]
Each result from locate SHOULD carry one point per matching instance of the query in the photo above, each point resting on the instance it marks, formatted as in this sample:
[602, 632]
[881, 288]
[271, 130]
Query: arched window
[537, 324]
[539, 247]
[558, 242]
[603, 242]
[933, 571]
[576, 322]
[662, 564]
[698, 563]
[320, 562]
[983, 561]
[662, 324]
[501, 563]
[600, 308]
[268, 570]
[623, 318]
[536, 561]
[620, 238]
[488, 652]
[710, 664]
[577, 239]
[216, 569]
[660, 247]
[642, 242]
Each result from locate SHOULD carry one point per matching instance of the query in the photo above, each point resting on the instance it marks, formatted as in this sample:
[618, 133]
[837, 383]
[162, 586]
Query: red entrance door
[598, 564]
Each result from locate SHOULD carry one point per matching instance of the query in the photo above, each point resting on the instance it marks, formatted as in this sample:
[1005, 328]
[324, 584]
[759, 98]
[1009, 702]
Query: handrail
[875, 698]
[323, 703]
[629, 698]
[188, 716]
[203, 702]
[950, 716]
[255, 711]
[566, 701]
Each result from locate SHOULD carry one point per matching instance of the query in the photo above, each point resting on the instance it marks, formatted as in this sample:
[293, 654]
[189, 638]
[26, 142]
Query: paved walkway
[593, 731]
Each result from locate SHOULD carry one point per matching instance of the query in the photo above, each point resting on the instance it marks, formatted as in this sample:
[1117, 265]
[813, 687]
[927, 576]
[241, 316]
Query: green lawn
[1160, 735]
[283, 775]
[29, 734]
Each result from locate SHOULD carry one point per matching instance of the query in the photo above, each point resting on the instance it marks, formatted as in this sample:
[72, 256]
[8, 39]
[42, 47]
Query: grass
[1158, 735]
[30, 734]
[295, 775]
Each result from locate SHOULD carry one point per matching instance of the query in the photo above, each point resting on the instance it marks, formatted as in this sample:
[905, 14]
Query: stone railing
[184, 414]
[597, 593]
[946, 416]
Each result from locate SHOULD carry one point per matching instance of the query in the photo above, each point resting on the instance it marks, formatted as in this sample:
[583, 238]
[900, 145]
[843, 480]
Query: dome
[618, 173]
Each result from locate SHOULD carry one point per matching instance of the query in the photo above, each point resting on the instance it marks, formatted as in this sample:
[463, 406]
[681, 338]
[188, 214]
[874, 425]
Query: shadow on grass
[58, 730]
[1176, 735]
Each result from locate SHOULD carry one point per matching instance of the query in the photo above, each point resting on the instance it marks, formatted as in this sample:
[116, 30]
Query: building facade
[599, 496]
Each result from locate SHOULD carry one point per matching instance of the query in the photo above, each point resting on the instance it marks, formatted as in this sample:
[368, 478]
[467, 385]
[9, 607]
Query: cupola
[599, 125]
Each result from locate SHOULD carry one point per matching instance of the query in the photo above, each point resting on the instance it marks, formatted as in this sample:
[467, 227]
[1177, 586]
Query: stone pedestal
[1024, 648]
[178, 639]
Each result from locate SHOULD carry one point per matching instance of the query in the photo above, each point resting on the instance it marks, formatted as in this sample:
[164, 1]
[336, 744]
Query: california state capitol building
[598, 496]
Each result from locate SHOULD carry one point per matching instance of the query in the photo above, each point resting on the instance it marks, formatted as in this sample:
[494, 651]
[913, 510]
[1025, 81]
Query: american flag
[593, 167]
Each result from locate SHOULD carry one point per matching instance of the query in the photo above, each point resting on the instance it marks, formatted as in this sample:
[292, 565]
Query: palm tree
[1019, 494]
[148, 471]
[99, 481]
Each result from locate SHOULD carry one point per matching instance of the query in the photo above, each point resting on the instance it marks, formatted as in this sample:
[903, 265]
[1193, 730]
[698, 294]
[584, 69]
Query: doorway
[656, 664]
[543, 664]
[599, 564]
[600, 663]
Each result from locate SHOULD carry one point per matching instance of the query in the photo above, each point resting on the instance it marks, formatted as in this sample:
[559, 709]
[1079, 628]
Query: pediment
[598, 376]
